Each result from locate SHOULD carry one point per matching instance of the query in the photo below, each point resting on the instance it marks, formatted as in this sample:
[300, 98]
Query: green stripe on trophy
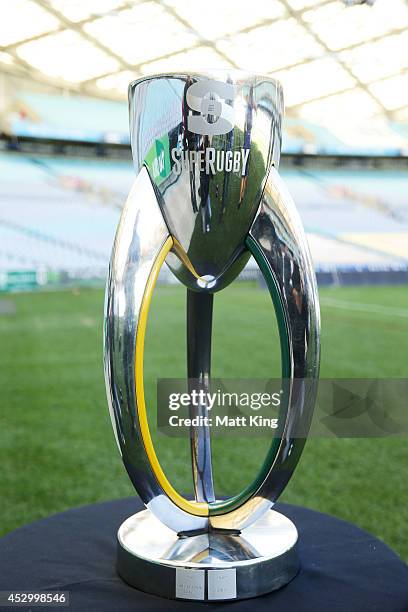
[222, 507]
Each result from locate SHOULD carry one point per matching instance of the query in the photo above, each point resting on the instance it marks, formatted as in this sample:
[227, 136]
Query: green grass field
[57, 447]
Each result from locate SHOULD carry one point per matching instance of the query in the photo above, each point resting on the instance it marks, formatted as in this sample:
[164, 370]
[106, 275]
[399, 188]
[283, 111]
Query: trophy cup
[207, 196]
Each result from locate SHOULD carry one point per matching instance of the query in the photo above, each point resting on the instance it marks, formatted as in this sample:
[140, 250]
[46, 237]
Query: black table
[344, 569]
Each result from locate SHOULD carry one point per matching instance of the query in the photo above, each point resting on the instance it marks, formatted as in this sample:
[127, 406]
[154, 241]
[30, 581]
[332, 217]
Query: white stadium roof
[333, 60]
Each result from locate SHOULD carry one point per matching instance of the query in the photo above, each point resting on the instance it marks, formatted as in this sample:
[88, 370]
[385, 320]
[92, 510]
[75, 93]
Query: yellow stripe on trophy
[192, 507]
[184, 258]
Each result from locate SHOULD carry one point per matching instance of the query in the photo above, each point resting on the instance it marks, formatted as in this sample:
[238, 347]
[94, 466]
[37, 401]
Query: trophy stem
[199, 330]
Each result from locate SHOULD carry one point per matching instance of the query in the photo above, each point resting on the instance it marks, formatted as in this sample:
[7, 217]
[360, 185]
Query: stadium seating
[59, 215]
[82, 118]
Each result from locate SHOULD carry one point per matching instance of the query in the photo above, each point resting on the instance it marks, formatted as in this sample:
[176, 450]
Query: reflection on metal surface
[261, 559]
[278, 243]
[141, 236]
[269, 537]
[208, 184]
[210, 547]
[207, 196]
[199, 328]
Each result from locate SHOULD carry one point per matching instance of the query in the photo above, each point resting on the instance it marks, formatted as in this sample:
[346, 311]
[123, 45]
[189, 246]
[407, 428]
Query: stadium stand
[68, 118]
[86, 119]
[55, 224]
[58, 224]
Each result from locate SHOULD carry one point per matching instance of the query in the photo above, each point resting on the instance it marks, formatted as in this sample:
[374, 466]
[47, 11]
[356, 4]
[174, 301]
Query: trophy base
[209, 566]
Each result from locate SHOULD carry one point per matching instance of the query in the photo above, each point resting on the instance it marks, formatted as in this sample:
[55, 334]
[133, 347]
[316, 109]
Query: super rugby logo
[210, 99]
[211, 160]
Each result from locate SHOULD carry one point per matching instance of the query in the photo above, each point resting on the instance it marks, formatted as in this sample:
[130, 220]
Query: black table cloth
[344, 569]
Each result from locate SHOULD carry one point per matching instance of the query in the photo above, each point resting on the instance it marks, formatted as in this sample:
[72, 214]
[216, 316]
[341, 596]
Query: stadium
[66, 170]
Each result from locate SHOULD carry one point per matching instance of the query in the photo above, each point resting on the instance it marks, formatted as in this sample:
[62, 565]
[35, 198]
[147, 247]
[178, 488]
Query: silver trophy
[207, 196]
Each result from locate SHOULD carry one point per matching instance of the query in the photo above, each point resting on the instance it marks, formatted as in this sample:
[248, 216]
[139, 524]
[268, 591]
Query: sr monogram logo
[208, 98]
